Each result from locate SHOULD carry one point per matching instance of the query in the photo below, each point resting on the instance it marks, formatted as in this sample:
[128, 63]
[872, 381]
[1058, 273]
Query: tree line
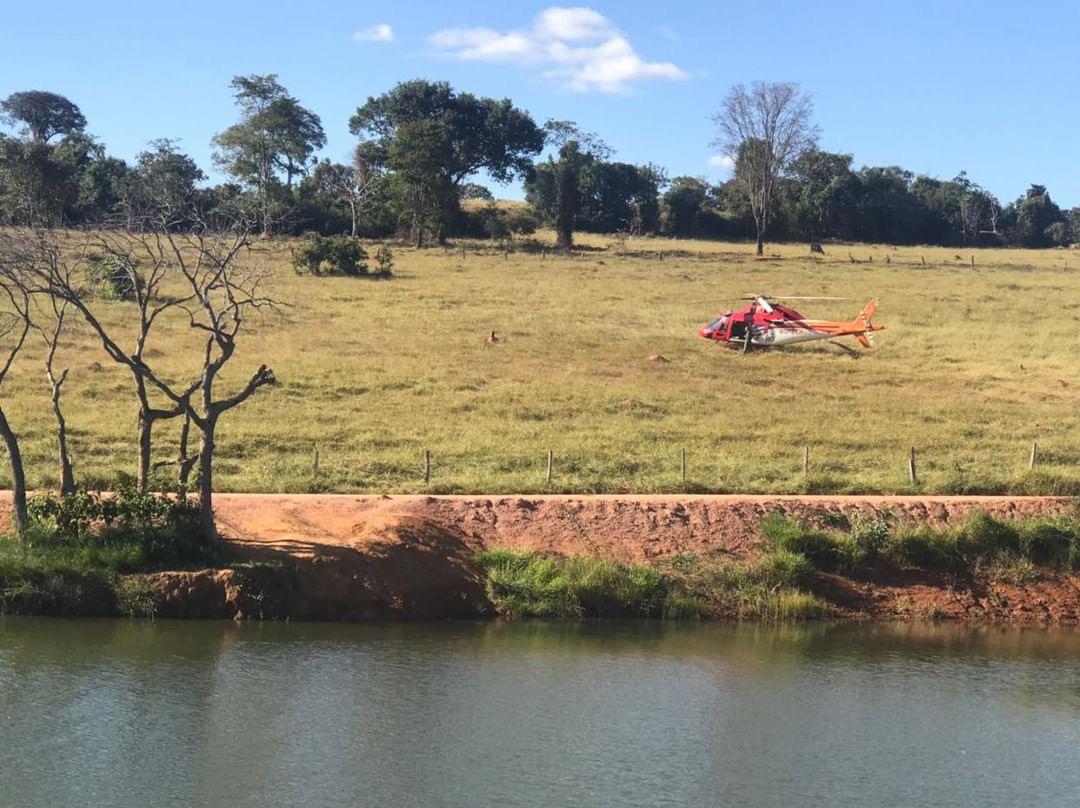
[422, 148]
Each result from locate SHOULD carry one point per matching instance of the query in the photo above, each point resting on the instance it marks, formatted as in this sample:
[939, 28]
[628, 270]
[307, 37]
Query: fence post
[682, 464]
[806, 460]
[549, 466]
[911, 467]
[427, 465]
[1034, 455]
[973, 262]
[315, 463]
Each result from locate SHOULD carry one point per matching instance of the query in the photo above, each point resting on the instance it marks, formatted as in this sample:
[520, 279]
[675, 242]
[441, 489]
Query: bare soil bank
[367, 557]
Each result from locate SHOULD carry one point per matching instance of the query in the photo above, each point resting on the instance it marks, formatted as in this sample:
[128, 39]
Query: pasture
[975, 365]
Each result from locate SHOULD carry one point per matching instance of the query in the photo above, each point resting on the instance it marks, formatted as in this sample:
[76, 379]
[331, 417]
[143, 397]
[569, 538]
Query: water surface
[598, 714]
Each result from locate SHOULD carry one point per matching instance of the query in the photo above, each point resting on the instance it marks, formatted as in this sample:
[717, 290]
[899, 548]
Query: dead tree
[139, 265]
[763, 129]
[51, 338]
[14, 328]
[224, 291]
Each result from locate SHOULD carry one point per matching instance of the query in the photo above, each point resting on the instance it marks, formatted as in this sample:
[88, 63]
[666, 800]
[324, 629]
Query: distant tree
[826, 190]
[472, 190]
[681, 206]
[43, 115]
[34, 188]
[1033, 215]
[764, 128]
[887, 209]
[161, 189]
[432, 139]
[275, 135]
[356, 185]
[559, 186]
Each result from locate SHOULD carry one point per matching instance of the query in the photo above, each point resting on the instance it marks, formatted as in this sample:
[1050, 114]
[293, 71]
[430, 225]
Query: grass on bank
[780, 584]
[971, 370]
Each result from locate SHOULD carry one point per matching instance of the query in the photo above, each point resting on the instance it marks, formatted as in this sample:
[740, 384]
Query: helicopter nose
[705, 332]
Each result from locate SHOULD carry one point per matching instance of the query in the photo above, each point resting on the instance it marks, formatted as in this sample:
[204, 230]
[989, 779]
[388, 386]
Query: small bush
[384, 262]
[330, 255]
[125, 532]
[782, 568]
[1050, 542]
[112, 278]
[1013, 570]
[870, 535]
[982, 536]
[135, 596]
[925, 548]
[821, 549]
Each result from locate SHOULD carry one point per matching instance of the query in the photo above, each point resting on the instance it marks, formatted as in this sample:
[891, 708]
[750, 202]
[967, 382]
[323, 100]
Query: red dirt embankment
[360, 557]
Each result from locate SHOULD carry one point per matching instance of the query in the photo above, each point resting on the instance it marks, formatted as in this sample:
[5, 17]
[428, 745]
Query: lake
[595, 714]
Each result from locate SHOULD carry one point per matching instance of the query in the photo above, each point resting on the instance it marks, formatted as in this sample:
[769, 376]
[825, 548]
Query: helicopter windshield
[718, 326]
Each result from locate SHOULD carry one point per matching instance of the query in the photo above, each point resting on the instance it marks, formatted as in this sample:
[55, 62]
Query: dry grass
[974, 366]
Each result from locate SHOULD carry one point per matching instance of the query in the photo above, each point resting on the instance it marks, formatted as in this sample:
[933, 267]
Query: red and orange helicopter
[766, 324]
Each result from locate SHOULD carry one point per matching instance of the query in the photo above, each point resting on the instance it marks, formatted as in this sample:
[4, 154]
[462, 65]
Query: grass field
[975, 364]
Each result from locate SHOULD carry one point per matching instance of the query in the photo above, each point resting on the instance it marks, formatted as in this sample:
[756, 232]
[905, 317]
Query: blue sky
[988, 87]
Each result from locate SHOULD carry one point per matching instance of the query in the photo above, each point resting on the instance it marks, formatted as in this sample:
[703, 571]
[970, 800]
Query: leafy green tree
[1034, 214]
[275, 136]
[559, 187]
[34, 188]
[826, 190]
[161, 189]
[681, 206]
[432, 139]
[42, 115]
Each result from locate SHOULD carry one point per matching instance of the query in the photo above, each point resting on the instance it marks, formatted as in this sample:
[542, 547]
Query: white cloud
[576, 47]
[721, 161]
[382, 32]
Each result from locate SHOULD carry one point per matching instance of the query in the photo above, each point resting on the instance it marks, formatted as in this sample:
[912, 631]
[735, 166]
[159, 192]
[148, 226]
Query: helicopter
[766, 324]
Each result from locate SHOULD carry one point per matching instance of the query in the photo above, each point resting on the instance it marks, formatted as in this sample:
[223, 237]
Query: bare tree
[15, 324]
[217, 293]
[356, 185]
[764, 128]
[51, 337]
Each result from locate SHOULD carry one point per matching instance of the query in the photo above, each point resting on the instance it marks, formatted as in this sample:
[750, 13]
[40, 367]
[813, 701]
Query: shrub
[982, 536]
[782, 568]
[1013, 570]
[384, 261]
[1049, 542]
[126, 532]
[869, 535]
[319, 255]
[821, 549]
[111, 277]
[924, 547]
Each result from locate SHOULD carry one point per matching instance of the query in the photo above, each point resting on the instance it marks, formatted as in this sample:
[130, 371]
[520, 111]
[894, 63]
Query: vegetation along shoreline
[980, 560]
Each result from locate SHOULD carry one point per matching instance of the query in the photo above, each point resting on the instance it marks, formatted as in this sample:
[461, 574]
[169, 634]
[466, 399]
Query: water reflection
[594, 713]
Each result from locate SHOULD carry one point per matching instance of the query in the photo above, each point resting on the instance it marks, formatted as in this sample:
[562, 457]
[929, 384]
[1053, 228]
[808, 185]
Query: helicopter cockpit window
[718, 326]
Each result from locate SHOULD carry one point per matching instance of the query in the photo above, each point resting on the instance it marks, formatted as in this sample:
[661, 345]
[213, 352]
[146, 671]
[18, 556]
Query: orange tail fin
[863, 323]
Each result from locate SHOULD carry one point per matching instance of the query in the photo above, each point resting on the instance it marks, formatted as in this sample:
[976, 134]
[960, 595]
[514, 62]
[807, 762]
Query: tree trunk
[67, 474]
[352, 210]
[206, 479]
[760, 244]
[146, 426]
[18, 477]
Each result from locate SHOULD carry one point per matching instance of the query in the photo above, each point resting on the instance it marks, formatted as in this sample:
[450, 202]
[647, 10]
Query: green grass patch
[526, 584]
[973, 546]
